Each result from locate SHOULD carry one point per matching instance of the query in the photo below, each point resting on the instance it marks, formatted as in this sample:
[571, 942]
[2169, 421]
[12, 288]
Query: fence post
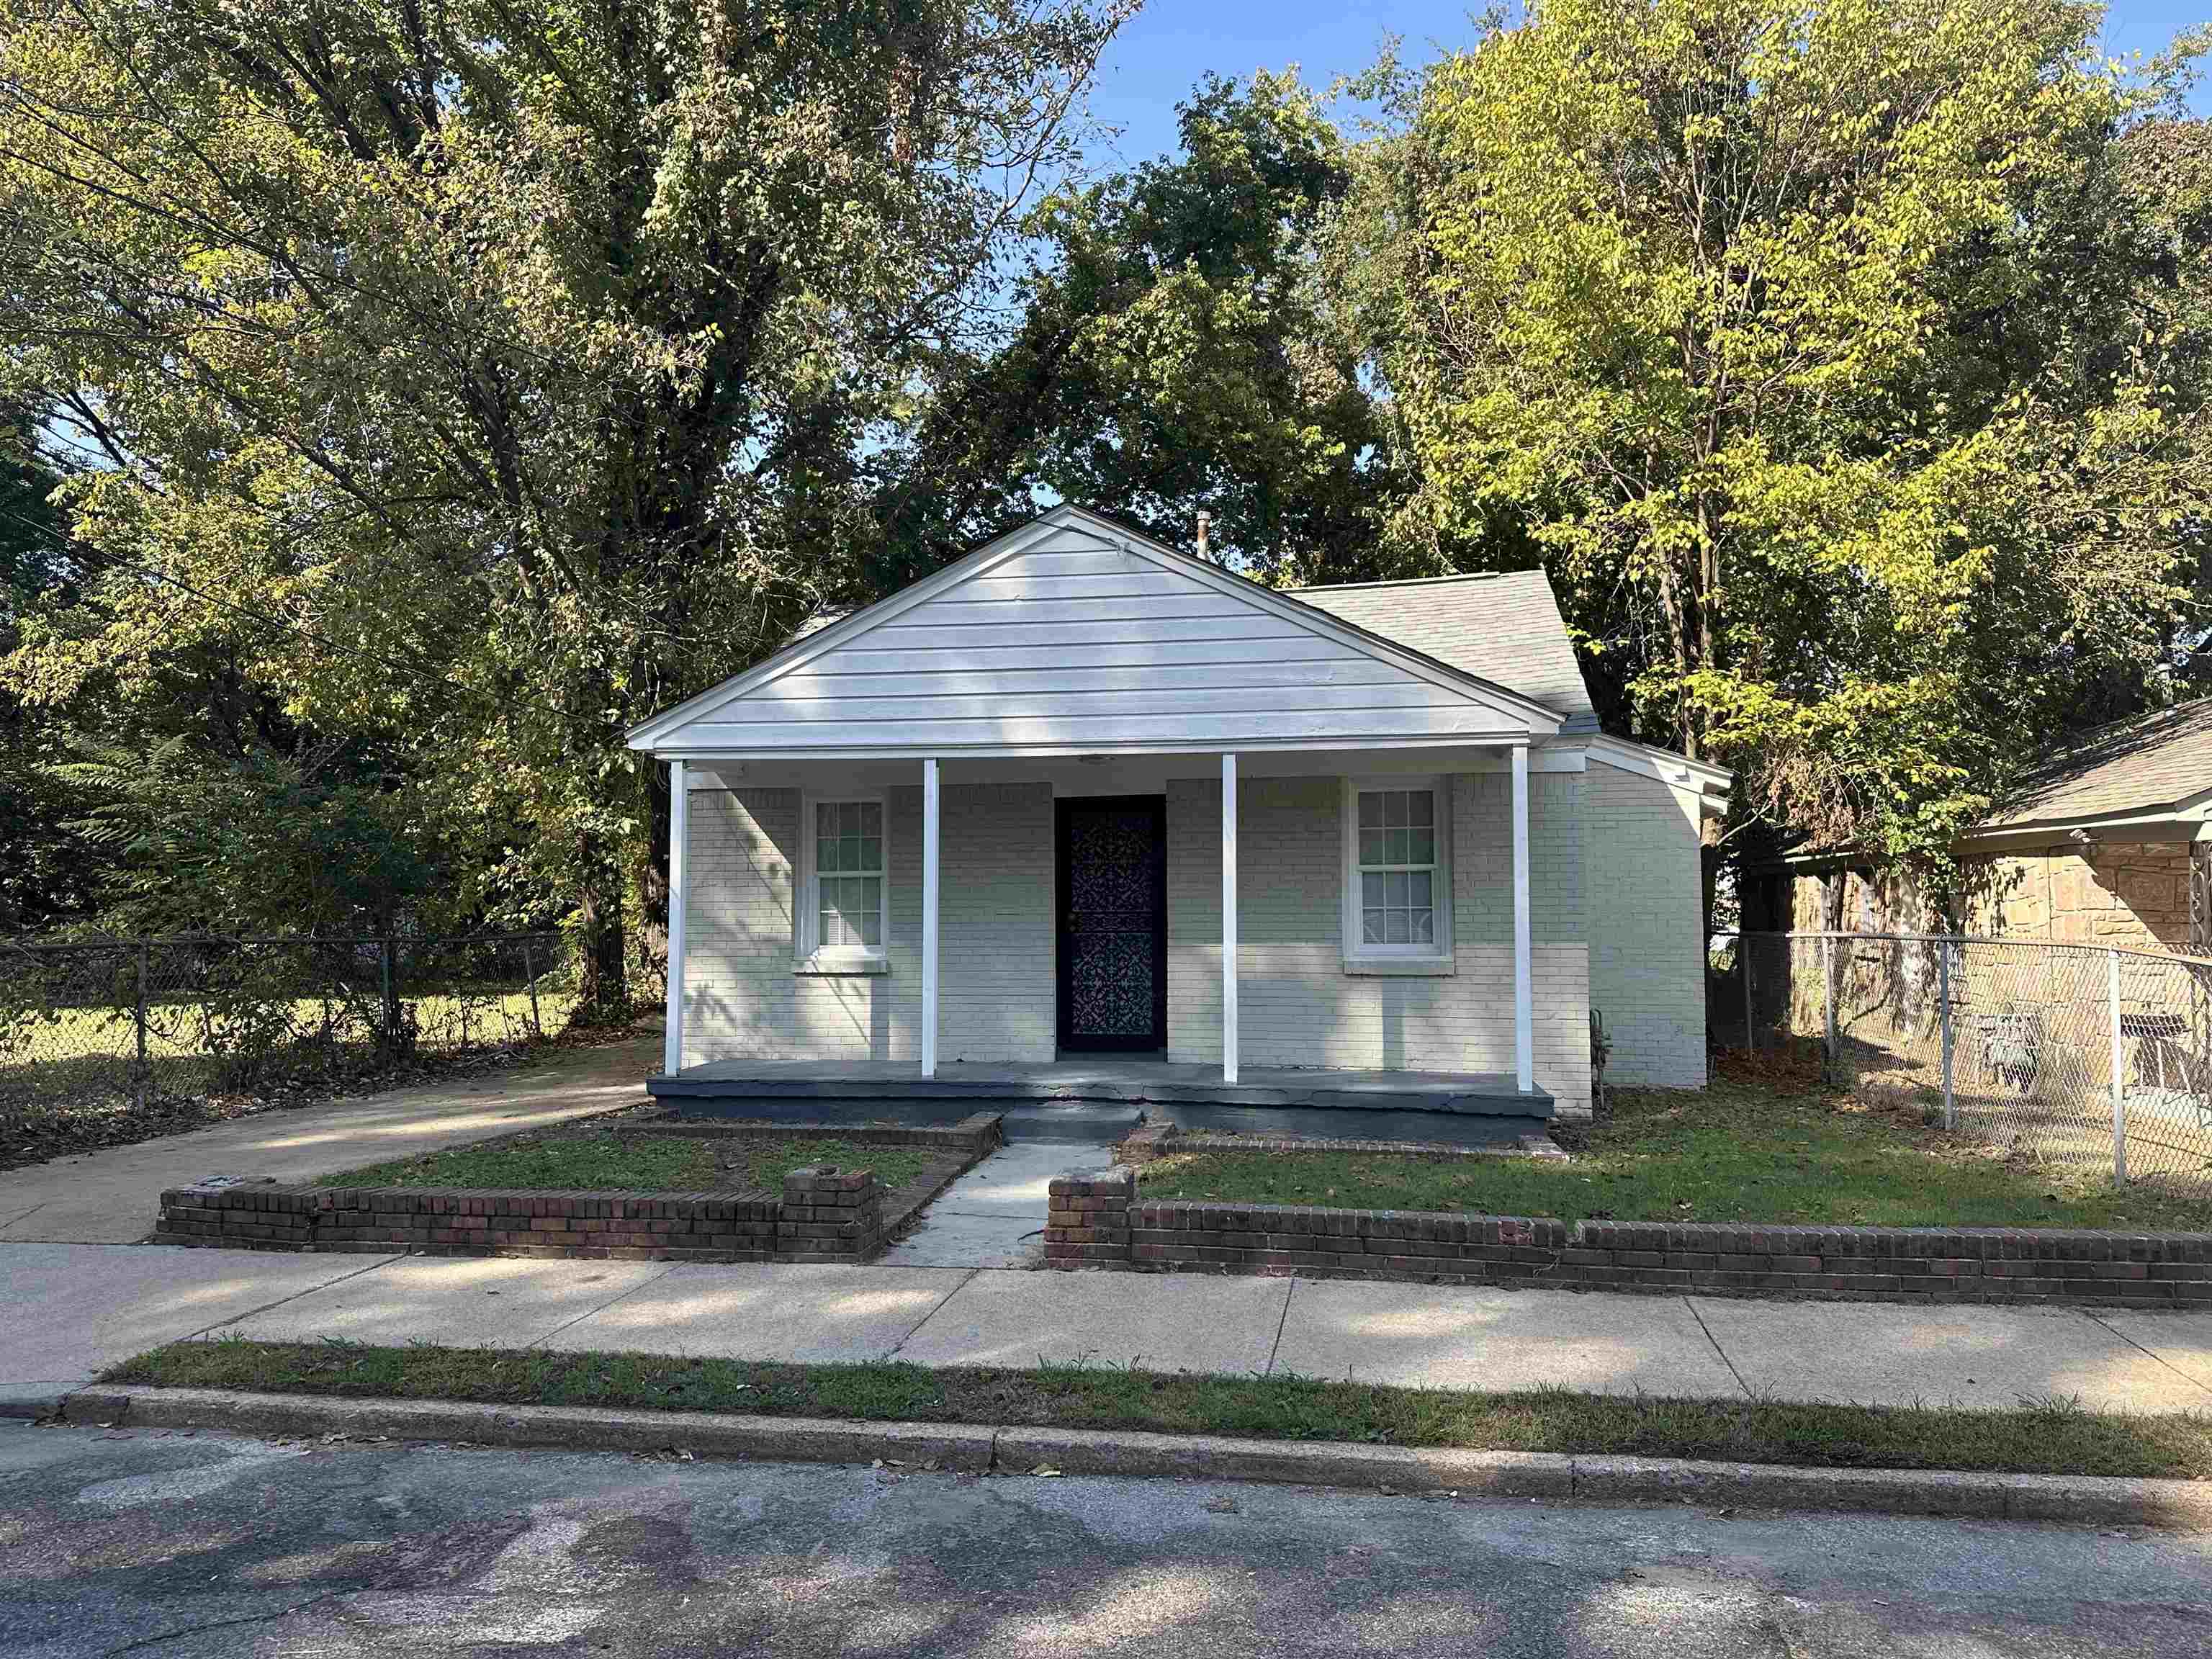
[529, 978]
[1750, 1026]
[1828, 1012]
[389, 1021]
[141, 1080]
[1943, 1011]
[2119, 1072]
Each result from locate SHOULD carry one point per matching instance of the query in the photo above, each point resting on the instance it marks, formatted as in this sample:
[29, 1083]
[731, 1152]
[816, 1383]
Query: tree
[1810, 348]
[498, 371]
[1172, 356]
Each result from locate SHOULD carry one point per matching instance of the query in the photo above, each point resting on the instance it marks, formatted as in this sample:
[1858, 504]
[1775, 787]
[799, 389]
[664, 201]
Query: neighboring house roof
[1075, 634]
[1505, 627]
[2153, 765]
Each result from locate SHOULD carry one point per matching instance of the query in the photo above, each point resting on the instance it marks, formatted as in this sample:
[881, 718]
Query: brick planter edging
[824, 1214]
[1098, 1221]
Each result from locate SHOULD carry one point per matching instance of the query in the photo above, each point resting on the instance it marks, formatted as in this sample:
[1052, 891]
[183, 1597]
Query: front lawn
[619, 1163]
[2051, 1437]
[1758, 1149]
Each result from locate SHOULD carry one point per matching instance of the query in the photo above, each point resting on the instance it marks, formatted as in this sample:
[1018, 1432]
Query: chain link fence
[2088, 1057]
[132, 1020]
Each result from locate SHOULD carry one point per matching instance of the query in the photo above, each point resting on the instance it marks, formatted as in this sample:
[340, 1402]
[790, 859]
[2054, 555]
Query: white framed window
[1397, 870]
[844, 888]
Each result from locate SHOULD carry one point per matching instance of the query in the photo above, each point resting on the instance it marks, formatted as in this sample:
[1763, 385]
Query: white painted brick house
[979, 824]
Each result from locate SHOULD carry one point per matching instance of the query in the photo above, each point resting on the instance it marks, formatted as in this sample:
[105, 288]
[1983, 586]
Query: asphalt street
[202, 1544]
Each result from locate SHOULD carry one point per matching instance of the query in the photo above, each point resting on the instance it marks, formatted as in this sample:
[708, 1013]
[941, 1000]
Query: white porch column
[929, 917]
[1524, 996]
[679, 820]
[1229, 918]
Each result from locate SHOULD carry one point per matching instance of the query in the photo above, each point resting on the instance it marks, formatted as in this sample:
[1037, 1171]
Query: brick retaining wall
[1100, 1221]
[824, 1214]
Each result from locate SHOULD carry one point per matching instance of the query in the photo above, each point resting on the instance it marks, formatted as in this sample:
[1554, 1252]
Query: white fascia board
[647, 732]
[711, 757]
[1665, 765]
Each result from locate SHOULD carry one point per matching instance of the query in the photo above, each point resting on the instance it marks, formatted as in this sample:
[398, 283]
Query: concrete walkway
[994, 1216]
[71, 1310]
[112, 1197]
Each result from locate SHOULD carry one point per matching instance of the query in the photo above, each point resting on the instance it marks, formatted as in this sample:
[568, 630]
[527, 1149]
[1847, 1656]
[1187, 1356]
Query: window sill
[820, 967]
[1399, 967]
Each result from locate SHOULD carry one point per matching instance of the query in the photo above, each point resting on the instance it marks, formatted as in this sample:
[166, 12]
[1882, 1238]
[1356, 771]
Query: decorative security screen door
[1112, 923]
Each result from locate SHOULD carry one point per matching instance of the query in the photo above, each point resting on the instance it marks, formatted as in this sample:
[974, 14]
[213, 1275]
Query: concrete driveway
[111, 1196]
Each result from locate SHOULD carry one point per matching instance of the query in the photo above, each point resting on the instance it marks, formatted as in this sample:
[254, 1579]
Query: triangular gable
[1075, 635]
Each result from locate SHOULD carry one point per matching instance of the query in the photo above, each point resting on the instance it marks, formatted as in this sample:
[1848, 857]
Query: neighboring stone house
[981, 824]
[2103, 844]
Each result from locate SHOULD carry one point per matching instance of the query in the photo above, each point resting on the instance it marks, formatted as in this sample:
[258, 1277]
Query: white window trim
[810, 955]
[1359, 956]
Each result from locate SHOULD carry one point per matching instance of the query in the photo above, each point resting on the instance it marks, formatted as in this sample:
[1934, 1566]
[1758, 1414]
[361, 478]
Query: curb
[1556, 1477]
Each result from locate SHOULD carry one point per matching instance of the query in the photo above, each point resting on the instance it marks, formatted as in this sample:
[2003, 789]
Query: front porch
[1105, 1096]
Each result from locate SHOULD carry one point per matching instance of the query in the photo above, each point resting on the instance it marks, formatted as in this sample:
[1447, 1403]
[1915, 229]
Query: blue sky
[1172, 42]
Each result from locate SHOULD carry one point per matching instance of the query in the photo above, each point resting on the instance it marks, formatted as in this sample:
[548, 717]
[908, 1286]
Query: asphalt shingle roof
[2138, 765]
[1505, 628]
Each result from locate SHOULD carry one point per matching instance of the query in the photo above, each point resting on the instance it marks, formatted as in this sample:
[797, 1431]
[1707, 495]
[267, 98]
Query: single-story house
[2107, 842]
[1080, 793]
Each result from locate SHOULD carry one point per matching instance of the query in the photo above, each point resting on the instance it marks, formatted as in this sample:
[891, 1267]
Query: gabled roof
[1075, 634]
[2153, 764]
[1505, 627]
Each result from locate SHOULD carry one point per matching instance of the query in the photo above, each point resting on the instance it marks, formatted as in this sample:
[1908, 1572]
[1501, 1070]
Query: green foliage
[1840, 361]
[1171, 357]
[477, 380]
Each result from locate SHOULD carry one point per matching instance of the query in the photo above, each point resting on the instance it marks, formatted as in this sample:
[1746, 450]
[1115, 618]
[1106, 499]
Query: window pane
[825, 855]
[1370, 810]
[1373, 891]
[872, 853]
[1370, 847]
[1395, 920]
[1421, 807]
[1394, 808]
[865, 914]
[869, 817]
[1420, 846]
[1424, 927]
[1417, 890]
[1398, 880]
[849, 856]
[1394, 846]
[1371, 927]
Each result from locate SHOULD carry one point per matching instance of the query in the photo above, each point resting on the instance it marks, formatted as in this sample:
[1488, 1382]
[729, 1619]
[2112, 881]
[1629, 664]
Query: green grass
[1740, 1151]
[633, 1163]
[2053, 1438]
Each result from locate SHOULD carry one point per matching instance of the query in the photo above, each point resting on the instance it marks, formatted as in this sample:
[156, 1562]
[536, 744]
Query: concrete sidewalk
[112, 1196]
[70, 1311]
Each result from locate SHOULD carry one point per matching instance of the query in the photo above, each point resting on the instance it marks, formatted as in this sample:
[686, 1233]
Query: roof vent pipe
[1205, 523]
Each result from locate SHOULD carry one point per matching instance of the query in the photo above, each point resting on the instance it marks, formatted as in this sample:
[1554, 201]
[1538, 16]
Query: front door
[1114, 922]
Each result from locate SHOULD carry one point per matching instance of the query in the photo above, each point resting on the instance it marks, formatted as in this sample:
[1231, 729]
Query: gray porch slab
[1139, 1081]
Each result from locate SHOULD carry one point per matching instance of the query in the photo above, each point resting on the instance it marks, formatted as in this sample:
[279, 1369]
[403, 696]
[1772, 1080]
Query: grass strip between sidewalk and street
[2038, 1438]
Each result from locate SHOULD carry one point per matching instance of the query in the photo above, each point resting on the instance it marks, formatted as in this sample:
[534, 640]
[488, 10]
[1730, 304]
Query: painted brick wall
[994, 956]
[994, 965]
[1647, 970]
[1298, 1006]
[741, 997]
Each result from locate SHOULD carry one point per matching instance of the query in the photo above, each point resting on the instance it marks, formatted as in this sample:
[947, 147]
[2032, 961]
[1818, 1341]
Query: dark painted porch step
[1090, 1121]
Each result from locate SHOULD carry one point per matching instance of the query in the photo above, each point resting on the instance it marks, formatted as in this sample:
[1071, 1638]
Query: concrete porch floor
[1111, 1077]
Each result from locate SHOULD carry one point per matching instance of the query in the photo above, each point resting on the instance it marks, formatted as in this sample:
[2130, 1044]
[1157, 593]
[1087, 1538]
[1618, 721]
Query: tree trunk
[604, 994]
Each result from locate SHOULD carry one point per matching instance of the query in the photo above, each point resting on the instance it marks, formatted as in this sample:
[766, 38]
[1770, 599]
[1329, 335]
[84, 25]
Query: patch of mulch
[39, 1131]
